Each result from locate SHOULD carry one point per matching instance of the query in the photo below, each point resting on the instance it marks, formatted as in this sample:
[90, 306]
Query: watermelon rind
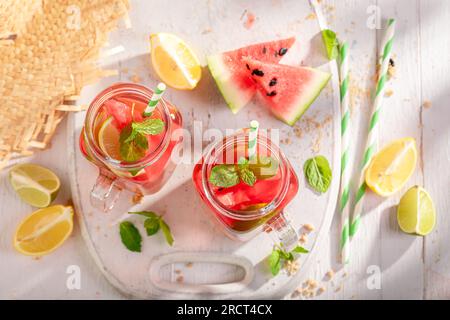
[320, 81]
[235, 97]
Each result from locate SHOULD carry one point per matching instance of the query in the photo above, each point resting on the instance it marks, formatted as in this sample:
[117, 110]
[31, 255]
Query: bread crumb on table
[388, 93]
[291, 267]
[308, 227]
[137, 198]
[427, 104]
[330, 274]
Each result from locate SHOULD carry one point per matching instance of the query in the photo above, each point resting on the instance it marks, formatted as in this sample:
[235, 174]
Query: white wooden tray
[203, 263]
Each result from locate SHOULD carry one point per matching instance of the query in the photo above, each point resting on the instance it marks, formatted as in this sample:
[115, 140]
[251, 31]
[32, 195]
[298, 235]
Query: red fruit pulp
[125, 109]
[245, 198]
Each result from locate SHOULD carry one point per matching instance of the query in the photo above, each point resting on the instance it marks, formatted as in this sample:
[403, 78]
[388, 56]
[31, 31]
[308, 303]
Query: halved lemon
[392, 166]
[109, 139]
[44, 230]
[416, 213]
[174, 62]
[36, 185]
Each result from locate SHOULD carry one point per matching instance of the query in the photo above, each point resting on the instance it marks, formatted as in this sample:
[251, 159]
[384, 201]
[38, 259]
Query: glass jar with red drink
[141, 167]
[244, 210]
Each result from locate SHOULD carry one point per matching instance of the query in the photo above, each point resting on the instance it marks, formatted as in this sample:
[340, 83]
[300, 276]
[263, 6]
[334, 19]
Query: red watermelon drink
[247, 194]
[131, 149]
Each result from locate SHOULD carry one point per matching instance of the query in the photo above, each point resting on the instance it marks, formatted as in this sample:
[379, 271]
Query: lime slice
[36, 185]
[416, 213]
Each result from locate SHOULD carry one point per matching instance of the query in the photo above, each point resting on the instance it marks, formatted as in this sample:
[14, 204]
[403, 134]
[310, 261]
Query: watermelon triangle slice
[288, 90]
[231, 73]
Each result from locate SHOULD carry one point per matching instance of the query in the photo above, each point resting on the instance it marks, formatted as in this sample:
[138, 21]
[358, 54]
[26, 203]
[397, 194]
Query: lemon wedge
[174, 62]
[44, 230]
[392, 166]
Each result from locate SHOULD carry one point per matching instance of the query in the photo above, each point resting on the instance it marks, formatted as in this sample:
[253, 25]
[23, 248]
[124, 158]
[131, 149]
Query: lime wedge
[416, 213]
[36, 185]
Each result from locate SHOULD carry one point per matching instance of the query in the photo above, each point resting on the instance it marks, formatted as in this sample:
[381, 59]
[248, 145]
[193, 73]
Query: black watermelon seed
[264, 50]
[248, 67]
[273, 82]
[282, 51]
[272, 93]
[257, 72]
[391, 62]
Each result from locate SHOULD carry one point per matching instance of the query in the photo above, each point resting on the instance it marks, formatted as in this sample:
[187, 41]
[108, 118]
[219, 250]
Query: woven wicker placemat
[48, 52]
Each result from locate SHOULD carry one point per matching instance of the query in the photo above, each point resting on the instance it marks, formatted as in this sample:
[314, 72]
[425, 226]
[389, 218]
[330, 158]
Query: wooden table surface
[385, 263]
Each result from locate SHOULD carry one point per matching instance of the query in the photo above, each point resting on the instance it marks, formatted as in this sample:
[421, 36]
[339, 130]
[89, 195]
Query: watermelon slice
[288, 90]
[231, 73]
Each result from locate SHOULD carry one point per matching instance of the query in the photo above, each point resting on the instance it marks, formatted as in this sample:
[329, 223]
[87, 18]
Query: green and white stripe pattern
[252, 138]
[155, 99]
[371, 145]
[344, 207]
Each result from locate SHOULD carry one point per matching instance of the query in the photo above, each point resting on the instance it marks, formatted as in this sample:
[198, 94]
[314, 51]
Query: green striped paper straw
[344, 207]
[252, 138]
[371, 144]
[157, 94]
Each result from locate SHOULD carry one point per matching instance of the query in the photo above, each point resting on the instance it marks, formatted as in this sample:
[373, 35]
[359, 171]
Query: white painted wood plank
[435, 65]
[350, 281]
[401, 254]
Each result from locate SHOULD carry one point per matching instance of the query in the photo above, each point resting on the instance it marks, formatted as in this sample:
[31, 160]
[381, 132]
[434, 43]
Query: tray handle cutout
[192, 257]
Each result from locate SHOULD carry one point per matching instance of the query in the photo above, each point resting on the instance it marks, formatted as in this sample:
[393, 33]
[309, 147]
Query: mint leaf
[247, 176]
[152, 225]
[318, 173]
[279, 256]
[299, 249]
[130, 236]
[134, 149]
[166, 230]
[224, 175]
[331, 43]
[275, 262]
[148, 127]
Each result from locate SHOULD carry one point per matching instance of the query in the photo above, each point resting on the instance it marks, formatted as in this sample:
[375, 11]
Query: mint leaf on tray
[318, 173]
[130, 236]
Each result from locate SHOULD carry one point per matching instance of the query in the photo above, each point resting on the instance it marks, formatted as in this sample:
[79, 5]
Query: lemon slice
[391, 167]
[416, 213]
[109, 142]
[44, 230]
[174, 62]
[108, 139]
[36, 185]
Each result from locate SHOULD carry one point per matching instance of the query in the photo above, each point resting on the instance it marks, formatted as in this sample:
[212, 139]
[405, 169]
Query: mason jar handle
[105, 192]
[281, 231]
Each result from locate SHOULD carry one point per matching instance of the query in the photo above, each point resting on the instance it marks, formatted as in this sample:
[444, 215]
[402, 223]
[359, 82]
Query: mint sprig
[279, 256]
[133, 141]
[228, 175]
[331, 43]
[154, 223]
